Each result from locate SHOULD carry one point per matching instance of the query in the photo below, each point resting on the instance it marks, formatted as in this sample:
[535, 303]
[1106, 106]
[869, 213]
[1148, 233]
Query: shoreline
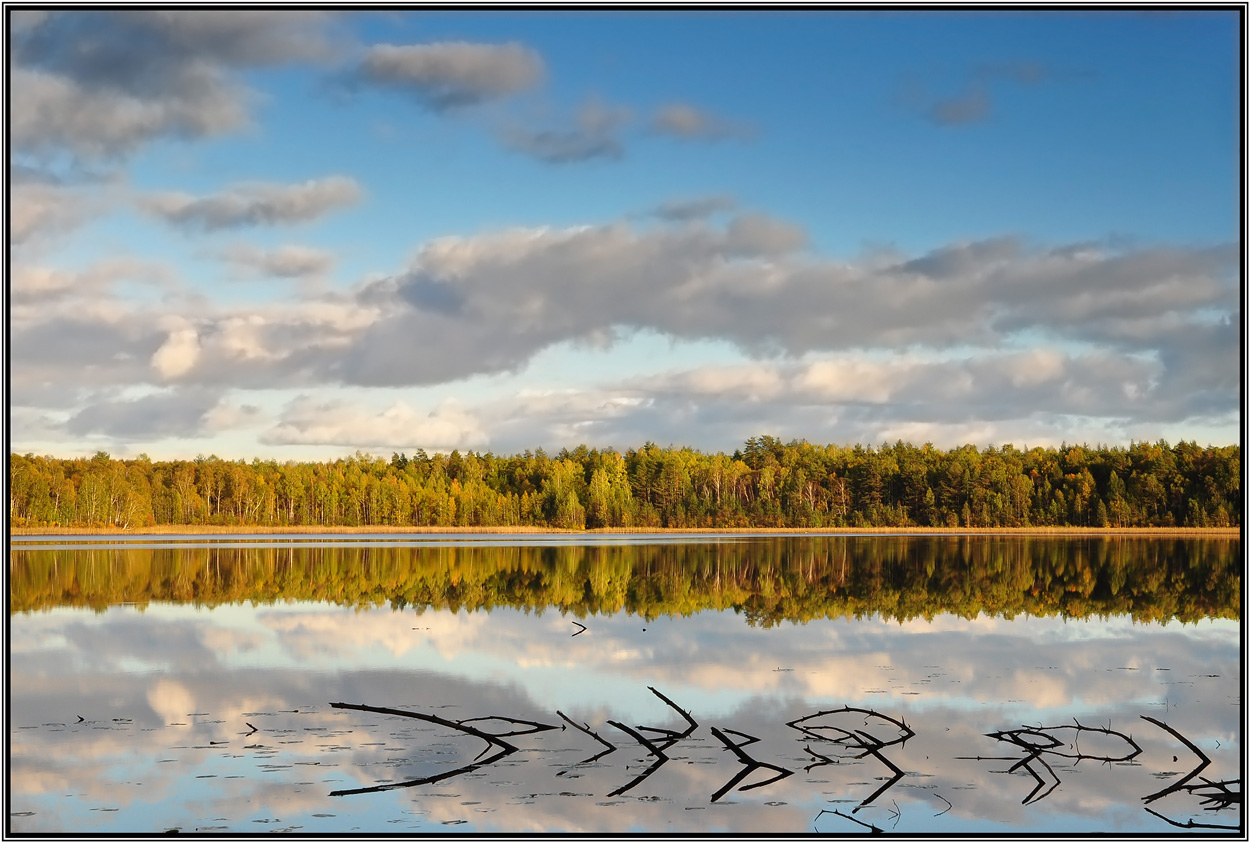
[216, 529]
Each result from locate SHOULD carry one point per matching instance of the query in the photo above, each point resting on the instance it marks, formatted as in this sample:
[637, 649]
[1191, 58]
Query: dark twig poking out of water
[751, 763]
[855, 739]
[502, 747]
[585, 727]
[1215, 796]
[1180, 783]
[1040, 741]
[849, 732]
[671, 738]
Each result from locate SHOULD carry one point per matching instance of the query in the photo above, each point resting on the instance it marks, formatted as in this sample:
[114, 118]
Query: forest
[766, 483]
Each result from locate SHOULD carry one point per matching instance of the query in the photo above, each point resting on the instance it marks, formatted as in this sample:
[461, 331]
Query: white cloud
[682, 210]
[817, 339]
[43, 211]
[40, 291]
[178, 354]
[685, 121]
[255, 204]
[307, 422]
[287, 261]
[493, 301]
[594, 135]
[452, 74]
[59, 113]
[100, 84]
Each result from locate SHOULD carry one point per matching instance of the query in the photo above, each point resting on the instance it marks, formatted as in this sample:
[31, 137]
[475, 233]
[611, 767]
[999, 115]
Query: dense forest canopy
[767, 483]
[767, 580]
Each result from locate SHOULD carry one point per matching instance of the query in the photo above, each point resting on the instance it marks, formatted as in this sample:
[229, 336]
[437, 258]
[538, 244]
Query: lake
[637, 683]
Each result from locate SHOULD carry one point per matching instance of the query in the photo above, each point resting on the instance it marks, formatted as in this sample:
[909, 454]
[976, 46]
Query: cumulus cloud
[73, 329]
[281, 345]
[41, 211]
[517, 292]
[288, 261]
[177, 355]
[448, 75]
[595, 135]
[255, 203]
[1128, 336]
[975, 103]
[684, 210]
[309, 422]
[60, 114]
[760, 234]
[1026, 397]
[173, 414]
[91, 347]
[687, 122]
[38, 287]
[991, 385]
[98, 84]
[488, 304]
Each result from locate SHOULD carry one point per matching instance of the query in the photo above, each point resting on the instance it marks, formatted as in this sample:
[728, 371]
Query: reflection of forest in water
[768, 580]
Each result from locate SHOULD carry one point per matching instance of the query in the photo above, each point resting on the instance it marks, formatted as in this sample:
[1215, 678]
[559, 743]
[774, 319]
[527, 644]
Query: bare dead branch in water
[1222, 797]
[748, 739]
[1018, 737]
[1180, 784]
[678, 709]
[890, 782]
[824, 759]
[504, 748]
[650, 747]
[586, 728]
[870, 745]
[875, 830]
[1191, 824]
[534, 727]
[751, 763]
[671, 737]
[1039, 741]
[905, 732]
[1033, 795]
[660, 757]
[430, 718]
[428, 779]
[1033, 753]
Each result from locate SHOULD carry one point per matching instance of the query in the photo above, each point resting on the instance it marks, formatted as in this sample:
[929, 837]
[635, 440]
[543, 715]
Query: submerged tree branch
[1179, 784]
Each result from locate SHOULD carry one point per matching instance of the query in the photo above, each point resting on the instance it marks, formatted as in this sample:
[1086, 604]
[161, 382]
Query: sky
[303, 233]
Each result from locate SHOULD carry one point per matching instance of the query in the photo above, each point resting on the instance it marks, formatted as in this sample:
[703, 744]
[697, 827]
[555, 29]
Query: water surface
[751, 684]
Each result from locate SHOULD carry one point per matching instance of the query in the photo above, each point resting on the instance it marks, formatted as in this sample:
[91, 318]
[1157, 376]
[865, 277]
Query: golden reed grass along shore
[208, 530]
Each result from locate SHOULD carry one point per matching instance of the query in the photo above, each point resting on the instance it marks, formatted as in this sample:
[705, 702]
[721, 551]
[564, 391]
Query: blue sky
[302, 233]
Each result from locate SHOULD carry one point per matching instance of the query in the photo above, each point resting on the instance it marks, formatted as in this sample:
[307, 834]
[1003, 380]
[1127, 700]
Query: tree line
[766, 580]
[766, 483]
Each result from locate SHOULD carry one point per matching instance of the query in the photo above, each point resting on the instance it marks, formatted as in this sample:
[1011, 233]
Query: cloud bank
[255, 204]
[450, 75]
[974, 338]
[99, 84]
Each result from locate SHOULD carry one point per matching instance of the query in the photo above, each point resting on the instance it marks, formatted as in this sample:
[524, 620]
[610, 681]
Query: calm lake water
[813, 685]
